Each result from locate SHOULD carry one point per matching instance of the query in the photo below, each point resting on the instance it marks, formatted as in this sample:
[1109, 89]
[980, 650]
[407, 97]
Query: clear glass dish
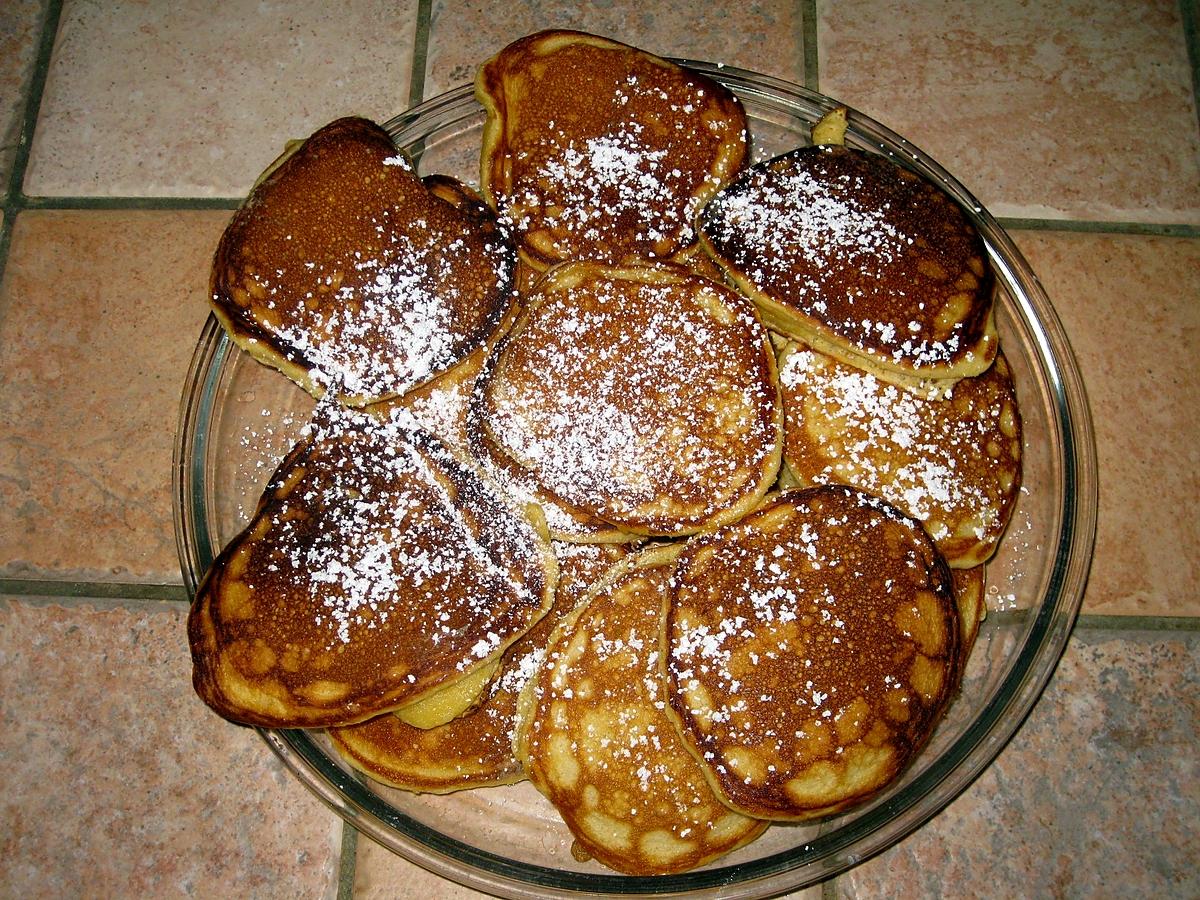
[238, 418]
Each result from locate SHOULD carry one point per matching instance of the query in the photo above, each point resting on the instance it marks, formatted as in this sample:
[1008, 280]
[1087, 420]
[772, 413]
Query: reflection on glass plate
[238, 418]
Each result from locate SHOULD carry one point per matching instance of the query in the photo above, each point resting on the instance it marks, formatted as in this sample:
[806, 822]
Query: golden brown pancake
[347, 273]
[972, 605]
[597, 150]
[377, 568]
[698, 262]
[809, 650]
[858, 257]
[595, 737]
[952, 463]
[642, 395]
[442, 406]
[475, 750]
[565, 522]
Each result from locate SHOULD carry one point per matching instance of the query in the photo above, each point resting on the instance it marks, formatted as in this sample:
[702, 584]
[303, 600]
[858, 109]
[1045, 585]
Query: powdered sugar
[603, 417]
[380, 536]
[859, 252]
[930, 457]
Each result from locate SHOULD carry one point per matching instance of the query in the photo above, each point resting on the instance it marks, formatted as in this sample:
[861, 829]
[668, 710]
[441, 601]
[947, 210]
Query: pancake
[593, 149]
[441, 406]
[349, 274]
[809, 650]
[565, 522]
[952, 463]
[449, 701]
[972, 606]
[642, 395]
[698, 262]
[596, 740]
[861, 259]
[474, 750]
[376, 569]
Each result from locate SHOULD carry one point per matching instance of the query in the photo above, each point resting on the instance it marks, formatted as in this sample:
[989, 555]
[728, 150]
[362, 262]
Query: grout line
[808, 28]
[416, 85]
[347, 862]
[158, 202]
[1099, 622]
[92, 590]
[13, 196]
[1191, 35]
[1098, 227]
[33, 100]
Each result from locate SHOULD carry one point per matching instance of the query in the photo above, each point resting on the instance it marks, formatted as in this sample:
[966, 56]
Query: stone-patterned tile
[1082, 109]
[20, 32]
[119, 782]
[99, 314]
[1129, 306]
[762, 36]
[1097, 795]
[195, 98]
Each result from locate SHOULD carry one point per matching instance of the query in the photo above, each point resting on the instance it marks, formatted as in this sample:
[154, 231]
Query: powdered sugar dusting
[588, 395]
[947, 462]
[601, 692]
[788, 639]
[371, 532]
[625, 175]
[862, 252]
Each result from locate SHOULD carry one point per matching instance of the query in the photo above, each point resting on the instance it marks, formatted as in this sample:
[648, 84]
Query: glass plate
[238, 418]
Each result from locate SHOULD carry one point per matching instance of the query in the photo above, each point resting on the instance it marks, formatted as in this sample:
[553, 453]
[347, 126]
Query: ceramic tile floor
[131, 128]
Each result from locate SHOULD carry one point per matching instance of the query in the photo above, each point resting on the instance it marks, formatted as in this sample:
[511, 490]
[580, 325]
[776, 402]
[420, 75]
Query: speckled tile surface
[99, 314]
[125, 784]
[195, 98]
[1129, 306]
[1058, 110]
[20, 32]
[756, 35]
[1097, 795]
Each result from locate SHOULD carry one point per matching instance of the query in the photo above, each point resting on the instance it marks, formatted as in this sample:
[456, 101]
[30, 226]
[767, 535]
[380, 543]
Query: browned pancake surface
[809, 650]
[954, 463]
[848, 251]
[597, 741]
[476, 749]
[644, 396]
[346, 272]
[376, 568]
[595, 149]
[972, 606]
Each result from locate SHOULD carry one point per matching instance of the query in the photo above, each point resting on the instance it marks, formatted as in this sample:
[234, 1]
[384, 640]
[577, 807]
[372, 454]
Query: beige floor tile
[1096, 796]
[765, 37]
[1129, 306]
[99, 314]
[1078, 110]
[195, 98]
[20, 32]
[119, 782]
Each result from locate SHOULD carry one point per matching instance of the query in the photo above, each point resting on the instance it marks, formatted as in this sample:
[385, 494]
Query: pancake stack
[663, 481]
